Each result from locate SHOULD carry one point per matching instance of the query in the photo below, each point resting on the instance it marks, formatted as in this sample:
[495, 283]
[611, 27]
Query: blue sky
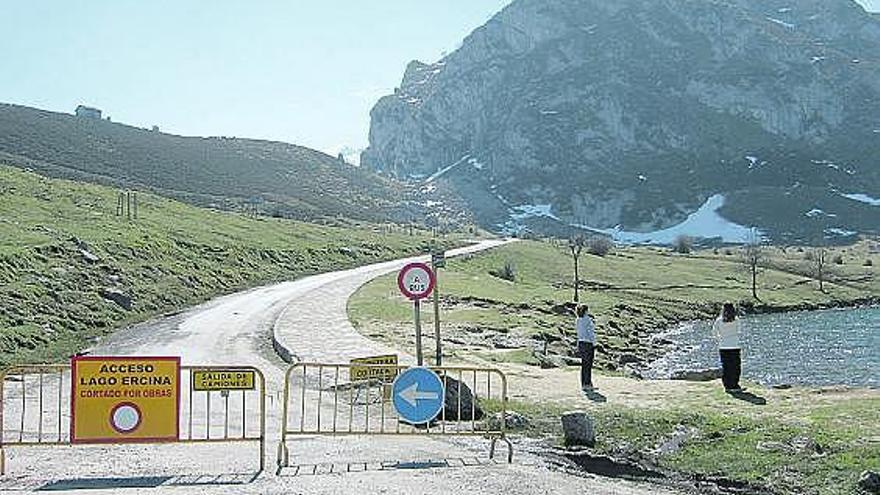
[302, 71]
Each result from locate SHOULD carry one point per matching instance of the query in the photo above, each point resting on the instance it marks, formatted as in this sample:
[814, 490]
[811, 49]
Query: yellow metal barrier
[331, 399]
[35, 407]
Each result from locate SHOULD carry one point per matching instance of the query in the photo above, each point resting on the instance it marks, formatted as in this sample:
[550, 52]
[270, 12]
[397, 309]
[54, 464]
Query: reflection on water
[835, 347]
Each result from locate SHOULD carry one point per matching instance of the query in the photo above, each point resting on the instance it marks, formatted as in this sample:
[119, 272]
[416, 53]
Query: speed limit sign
[416, 281]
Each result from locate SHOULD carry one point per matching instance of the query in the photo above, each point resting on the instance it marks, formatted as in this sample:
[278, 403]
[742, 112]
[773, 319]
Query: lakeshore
[798, 439]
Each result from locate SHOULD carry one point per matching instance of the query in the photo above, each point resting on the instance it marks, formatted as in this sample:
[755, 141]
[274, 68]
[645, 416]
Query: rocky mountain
[271, 178]
[647, 119]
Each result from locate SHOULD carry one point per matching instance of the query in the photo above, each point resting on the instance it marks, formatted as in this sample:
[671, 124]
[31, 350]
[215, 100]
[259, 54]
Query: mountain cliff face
[634, 114]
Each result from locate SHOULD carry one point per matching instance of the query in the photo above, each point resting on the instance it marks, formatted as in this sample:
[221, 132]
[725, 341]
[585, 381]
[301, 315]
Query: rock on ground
[119, 297]
[460, 398]
[697, 375]
[870, 482]
[578, 429]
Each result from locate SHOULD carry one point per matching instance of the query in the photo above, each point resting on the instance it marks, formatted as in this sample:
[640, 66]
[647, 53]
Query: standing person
[726, 329]
[586, 344]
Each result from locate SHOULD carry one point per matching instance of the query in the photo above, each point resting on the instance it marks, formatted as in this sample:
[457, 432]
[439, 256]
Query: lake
[833, 347]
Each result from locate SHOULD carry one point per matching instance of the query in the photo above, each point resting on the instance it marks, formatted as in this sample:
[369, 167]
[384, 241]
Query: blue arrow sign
[418, 395]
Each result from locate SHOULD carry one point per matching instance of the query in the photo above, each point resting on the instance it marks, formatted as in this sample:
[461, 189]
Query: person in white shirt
[726, 330]
[586, 345]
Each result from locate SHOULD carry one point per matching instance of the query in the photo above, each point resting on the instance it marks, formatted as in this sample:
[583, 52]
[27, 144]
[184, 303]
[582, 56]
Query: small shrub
[869, 262]
[683, 244]
[728, 252]
[600, 246]
[506, 272]
[838, 259]
[809, 256]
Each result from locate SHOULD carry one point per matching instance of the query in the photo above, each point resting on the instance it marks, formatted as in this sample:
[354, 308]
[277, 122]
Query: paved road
[308, 318]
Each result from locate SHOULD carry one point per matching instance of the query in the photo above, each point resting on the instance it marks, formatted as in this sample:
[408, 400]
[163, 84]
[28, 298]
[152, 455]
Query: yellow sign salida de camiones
[223, 380]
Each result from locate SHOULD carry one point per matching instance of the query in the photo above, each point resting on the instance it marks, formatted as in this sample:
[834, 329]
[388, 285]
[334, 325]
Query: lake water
[834, 347]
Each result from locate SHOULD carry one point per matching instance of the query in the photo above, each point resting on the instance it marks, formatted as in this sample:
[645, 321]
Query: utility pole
[576, 245]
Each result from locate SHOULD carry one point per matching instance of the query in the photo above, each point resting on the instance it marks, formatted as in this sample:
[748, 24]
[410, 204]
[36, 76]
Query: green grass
[732, 443]
[173, 256]
[632, 292]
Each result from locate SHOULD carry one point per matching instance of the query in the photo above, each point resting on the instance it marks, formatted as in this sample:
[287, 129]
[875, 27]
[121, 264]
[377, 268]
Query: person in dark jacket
[586, 345]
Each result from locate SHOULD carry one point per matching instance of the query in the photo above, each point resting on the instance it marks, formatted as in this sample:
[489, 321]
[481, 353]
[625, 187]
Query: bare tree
[683, 244]
[576, 246]
[819, 266]
[753, 257]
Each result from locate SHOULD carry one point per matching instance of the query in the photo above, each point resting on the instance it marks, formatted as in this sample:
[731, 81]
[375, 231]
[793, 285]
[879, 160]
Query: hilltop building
[88, 112]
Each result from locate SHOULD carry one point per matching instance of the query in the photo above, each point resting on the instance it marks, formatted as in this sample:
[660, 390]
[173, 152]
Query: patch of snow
[704, 223]
[443, 170]
[432, 204]
[840, 232]
[784, 10]
[780, 22]
[549, 112]
[876, 131]
[533, 211]
[475, 163]
[753, 160]
[817, 59]
[816, 212]
[643, 178]
[428, 189]
[862, 198]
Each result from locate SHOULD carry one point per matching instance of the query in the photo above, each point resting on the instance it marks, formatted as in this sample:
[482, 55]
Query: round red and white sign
[416, 281]
[125, 417]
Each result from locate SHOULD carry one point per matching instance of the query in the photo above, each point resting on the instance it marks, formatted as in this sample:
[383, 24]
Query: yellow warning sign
[124, 399]
[359, 373]
[208, 380]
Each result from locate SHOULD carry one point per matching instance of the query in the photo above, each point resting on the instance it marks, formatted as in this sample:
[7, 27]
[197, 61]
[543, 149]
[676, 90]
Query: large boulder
[578, 429]
[869, 481]
[119, 297]
[458, 391]
[697, 375]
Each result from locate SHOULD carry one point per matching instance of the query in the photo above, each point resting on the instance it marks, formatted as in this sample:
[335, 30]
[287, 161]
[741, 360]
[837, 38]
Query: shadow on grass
[595, 396]
[148, 482]
[749, 397]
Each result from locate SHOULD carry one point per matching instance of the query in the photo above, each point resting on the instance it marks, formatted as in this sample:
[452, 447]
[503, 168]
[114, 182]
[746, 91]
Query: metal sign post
[416, 282]
[418, 320]
[438, 260]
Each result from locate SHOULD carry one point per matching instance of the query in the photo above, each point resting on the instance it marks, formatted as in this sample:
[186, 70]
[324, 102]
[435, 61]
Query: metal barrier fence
[35, 409]
[328, 399]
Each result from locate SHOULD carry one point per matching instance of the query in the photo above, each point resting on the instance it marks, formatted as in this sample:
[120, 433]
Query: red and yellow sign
[124, 399]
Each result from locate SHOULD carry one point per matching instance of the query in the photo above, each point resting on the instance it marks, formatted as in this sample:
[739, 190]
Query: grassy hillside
[281, 179]
[63, 253]
[632, 292]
